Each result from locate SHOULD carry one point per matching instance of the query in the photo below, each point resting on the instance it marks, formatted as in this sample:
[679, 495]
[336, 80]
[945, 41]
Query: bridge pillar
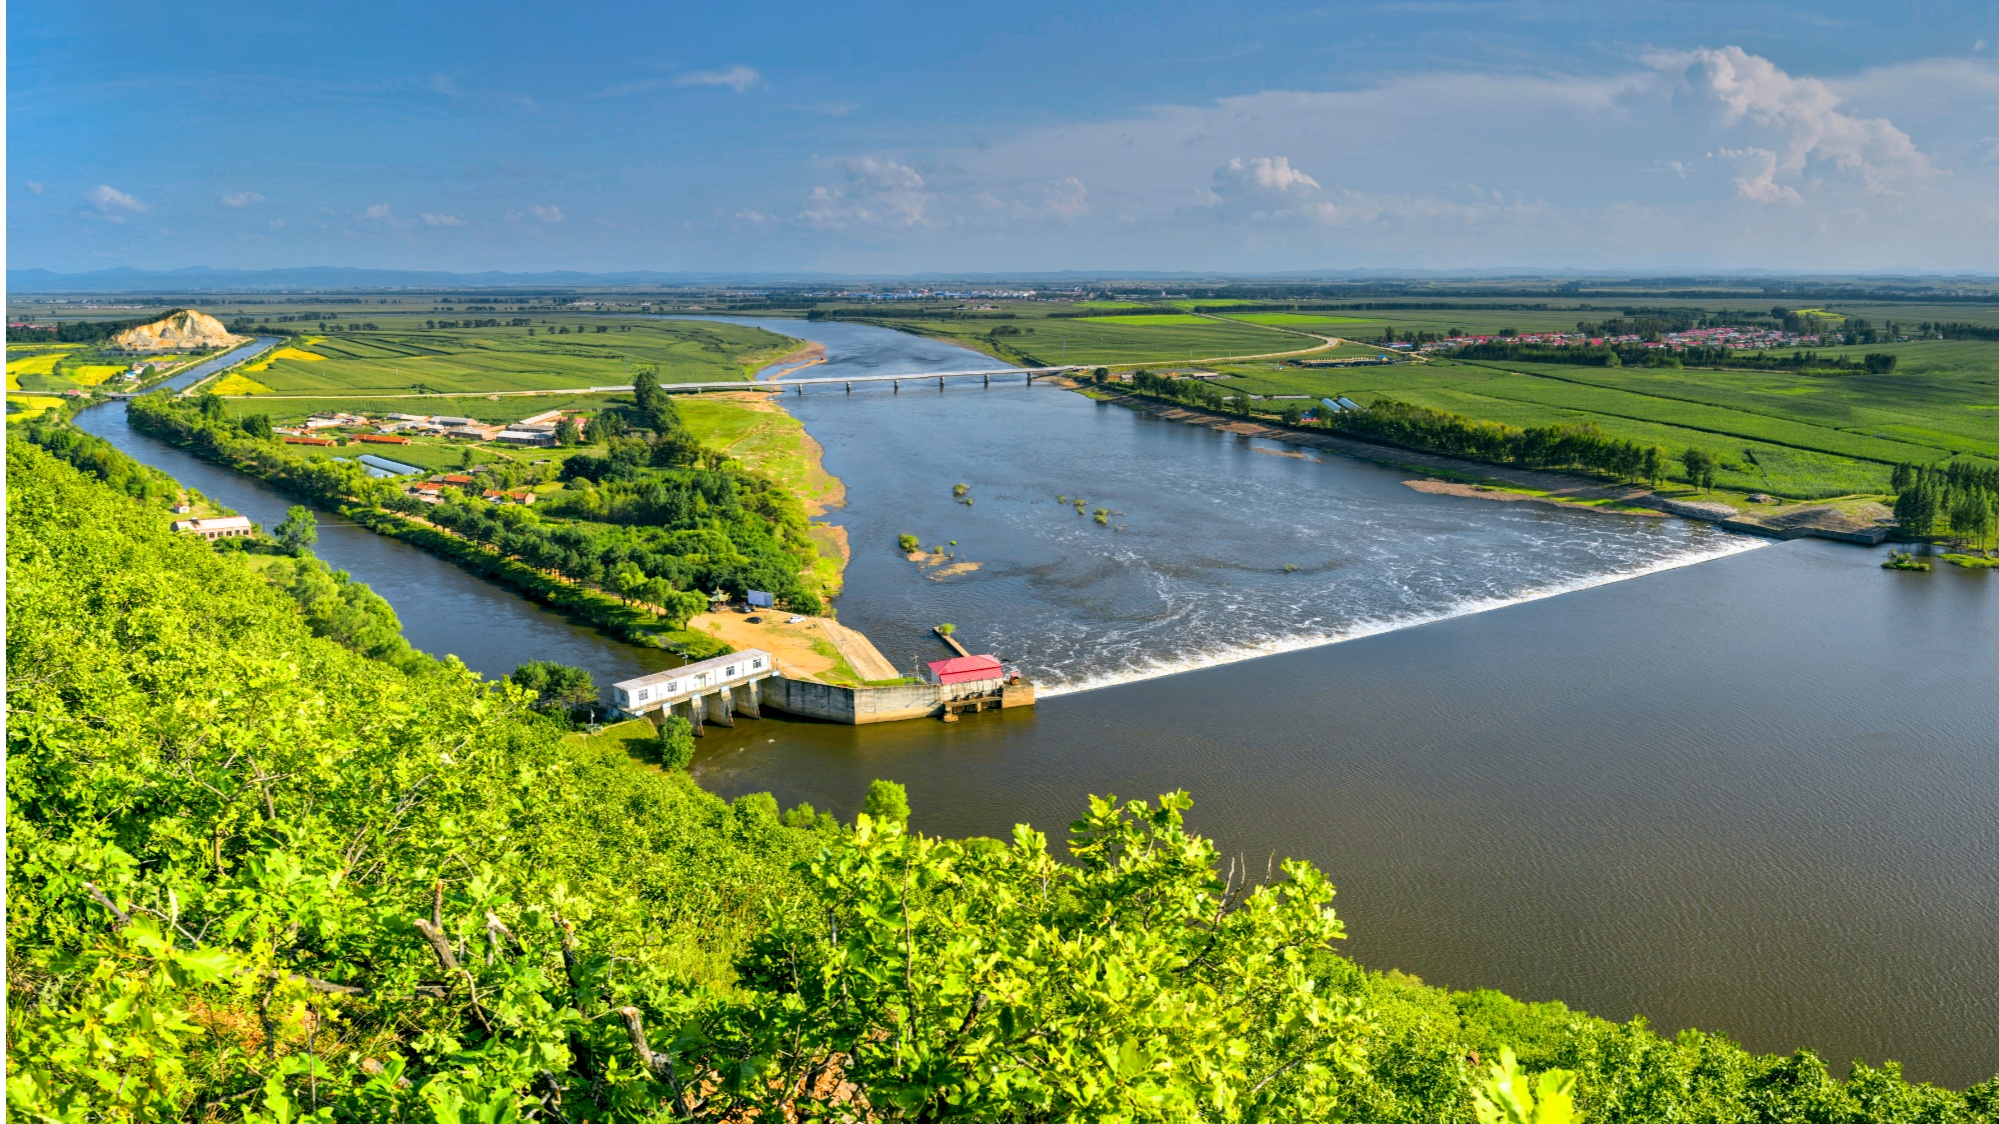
[898, 386]
[694, 709]
[1030, 378]
[989, 380]
[850, 388]
[718, 708]
[801, 389]
[940, 382]
[747, 703]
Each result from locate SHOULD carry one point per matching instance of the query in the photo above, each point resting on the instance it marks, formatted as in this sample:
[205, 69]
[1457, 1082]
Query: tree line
[253, 874]
[1582, 446]
[78, 331]
[1958, 499]
[1638, 355]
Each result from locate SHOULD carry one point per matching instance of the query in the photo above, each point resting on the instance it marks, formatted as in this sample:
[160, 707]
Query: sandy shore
[811, 355]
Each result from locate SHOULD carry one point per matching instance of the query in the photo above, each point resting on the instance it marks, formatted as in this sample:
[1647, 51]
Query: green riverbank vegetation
[1958, 501]
[255, 874]
[631, 534]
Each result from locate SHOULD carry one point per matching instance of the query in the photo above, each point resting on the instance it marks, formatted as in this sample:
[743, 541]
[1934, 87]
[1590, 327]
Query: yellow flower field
[264, 362]
[235, 383]
[90, 374]
[30, 406]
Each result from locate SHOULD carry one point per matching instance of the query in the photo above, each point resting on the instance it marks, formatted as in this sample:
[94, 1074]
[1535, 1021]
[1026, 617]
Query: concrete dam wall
[857, 706]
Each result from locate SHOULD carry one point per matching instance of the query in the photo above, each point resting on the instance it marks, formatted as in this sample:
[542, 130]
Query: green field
[1802, 436]
[405, 356]
[1122, 340]
[1307, 320]
[488, 408]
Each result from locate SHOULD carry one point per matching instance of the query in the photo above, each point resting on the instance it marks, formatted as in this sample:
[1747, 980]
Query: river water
[1638, 765]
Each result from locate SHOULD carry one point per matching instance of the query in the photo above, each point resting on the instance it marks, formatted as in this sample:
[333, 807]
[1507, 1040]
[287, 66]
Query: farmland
[1802, 436]
[407, 355]
[1164, 338]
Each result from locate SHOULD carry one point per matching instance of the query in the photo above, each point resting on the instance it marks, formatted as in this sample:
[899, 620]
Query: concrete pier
[719, 709]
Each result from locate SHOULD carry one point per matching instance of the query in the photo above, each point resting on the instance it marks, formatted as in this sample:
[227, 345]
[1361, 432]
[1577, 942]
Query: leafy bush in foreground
[255, 875]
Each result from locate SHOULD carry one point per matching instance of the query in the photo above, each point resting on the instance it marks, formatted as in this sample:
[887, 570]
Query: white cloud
[241, 199]
[548, 213]
[113, 204]
[378, 211]
[737, 78]
[1270, 174]
[35, 186]
[1805, 124]
[430, 219]
[1758, 183]
[880, 193]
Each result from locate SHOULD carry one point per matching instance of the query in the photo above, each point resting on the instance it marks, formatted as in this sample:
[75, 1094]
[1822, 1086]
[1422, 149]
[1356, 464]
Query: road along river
[1555, 756]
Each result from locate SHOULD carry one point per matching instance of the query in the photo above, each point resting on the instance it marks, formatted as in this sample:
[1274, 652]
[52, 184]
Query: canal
[1634, 764]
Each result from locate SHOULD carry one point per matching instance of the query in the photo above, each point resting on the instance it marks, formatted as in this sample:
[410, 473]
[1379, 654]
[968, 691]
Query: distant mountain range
[195, 279]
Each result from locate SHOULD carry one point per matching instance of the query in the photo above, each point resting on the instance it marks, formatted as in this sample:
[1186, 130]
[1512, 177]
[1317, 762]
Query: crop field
[1305, 320]
[1161, 339]
[23, 407]
[236, 383]
[487, 408]
[405, 356]
[1803, 436]
[1152, 320]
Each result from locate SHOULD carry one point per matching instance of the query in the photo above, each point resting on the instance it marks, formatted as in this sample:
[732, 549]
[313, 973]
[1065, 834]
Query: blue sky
[1823, 136]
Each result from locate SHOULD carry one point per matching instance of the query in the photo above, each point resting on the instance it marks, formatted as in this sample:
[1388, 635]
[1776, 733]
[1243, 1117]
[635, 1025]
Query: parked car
[794, 620]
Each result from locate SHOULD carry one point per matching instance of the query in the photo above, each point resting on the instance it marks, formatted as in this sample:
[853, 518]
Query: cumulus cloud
[737, 78]
[376, 211]
[241, 199]
[1268, 173]
[113, 204]
[430, 219]
[1805, 127]
[876, 193]
[546, 213]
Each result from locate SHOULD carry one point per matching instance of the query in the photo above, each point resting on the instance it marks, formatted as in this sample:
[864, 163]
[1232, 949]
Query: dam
[743, 683]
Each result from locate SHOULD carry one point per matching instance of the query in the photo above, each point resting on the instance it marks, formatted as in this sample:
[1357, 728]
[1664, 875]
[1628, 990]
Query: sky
[1672, 136]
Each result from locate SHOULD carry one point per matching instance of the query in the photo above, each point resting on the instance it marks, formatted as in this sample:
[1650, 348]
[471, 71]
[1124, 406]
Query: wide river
[1634, 764]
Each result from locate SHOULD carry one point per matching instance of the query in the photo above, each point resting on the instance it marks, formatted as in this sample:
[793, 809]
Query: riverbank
[1853, 519]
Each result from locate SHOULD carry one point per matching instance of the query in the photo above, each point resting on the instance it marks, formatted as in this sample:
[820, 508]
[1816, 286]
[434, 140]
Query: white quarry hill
[178, 331]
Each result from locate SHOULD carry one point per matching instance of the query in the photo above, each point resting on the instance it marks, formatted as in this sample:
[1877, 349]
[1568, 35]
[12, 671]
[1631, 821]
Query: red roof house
[967, 669]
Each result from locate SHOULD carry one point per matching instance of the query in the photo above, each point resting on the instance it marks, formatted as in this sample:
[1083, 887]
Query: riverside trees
[1963, 495]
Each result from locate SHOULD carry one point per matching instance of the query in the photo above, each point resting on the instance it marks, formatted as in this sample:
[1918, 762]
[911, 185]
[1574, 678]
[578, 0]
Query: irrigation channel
[1638, 765]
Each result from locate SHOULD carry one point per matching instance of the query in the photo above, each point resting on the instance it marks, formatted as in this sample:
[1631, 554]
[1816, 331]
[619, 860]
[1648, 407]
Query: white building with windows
[709, 691]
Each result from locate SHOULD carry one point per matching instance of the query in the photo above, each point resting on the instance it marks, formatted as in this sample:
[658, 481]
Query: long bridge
[848, 381]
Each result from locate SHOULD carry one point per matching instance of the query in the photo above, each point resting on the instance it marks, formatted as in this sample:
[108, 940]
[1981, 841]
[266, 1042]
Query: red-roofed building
[966, 669]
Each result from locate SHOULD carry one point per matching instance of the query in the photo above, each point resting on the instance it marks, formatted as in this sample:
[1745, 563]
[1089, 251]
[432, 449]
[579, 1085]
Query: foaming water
[1280, 643]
